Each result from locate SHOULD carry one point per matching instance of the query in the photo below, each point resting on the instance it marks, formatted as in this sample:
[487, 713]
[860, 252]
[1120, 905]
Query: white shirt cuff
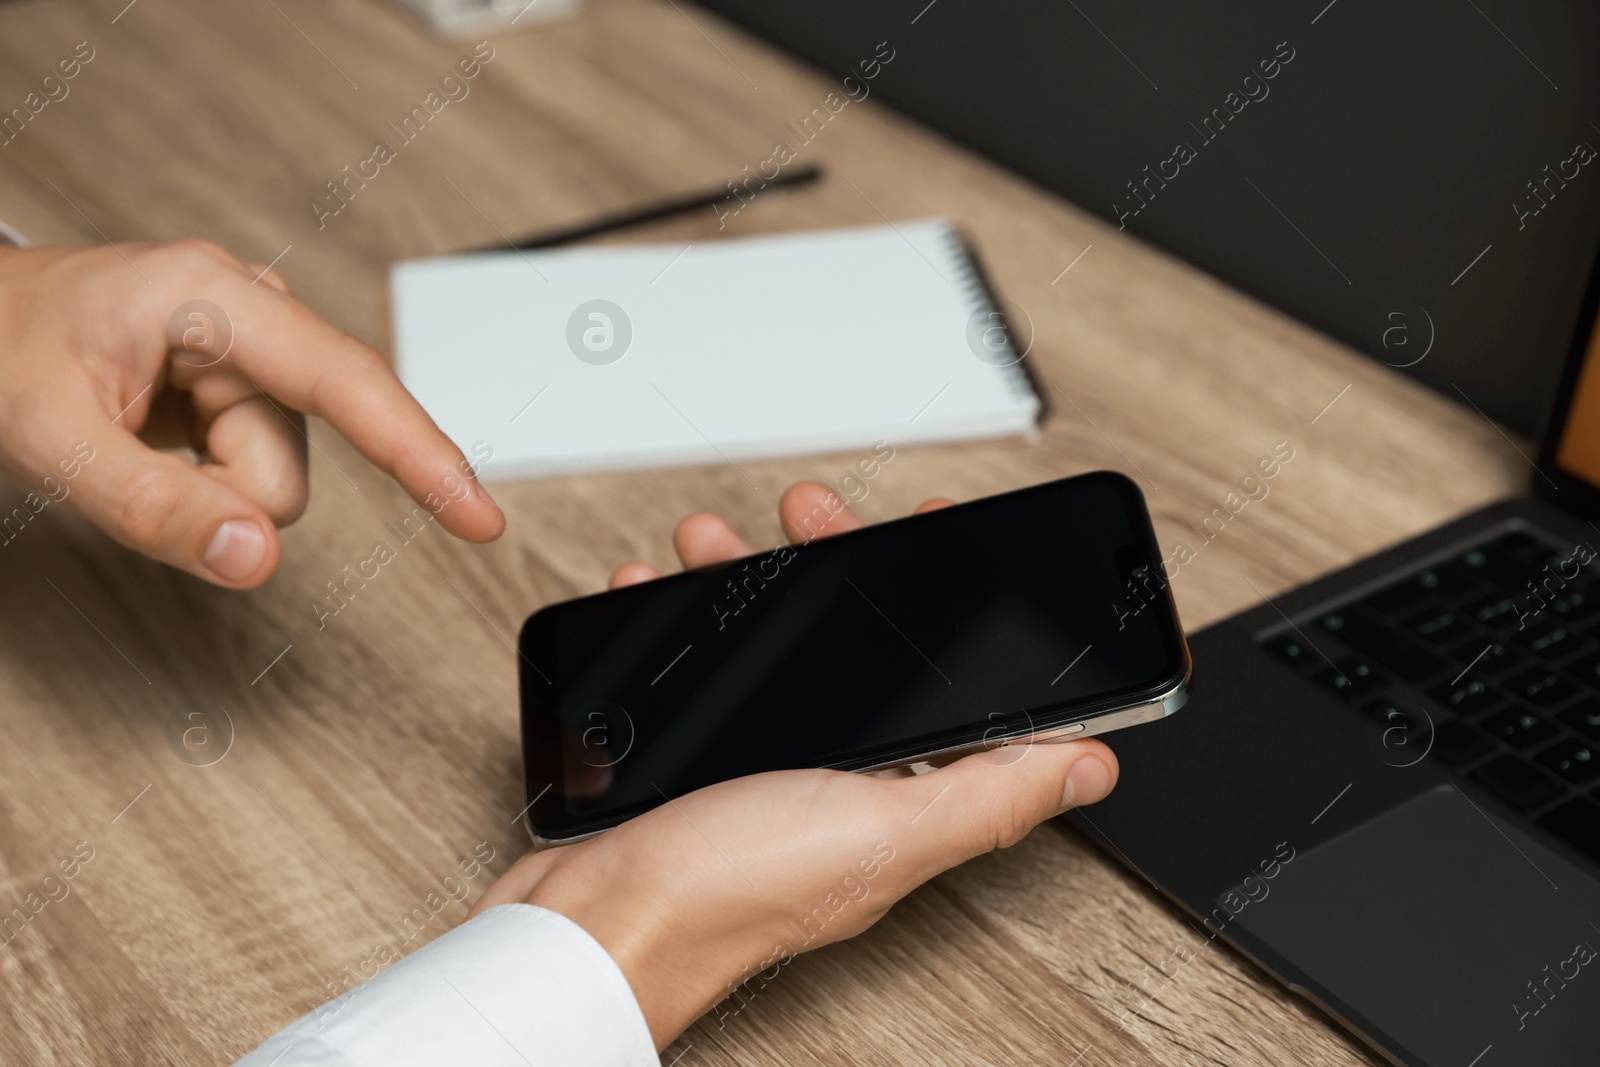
[514, 987]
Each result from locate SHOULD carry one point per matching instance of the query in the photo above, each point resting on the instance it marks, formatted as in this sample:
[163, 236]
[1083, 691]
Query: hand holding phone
[704, 901]
[1036, 614]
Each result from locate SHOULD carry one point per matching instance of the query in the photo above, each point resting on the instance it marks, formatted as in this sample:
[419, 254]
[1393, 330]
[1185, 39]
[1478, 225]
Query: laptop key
[1385, 710]
[1399, 726]
[1541, 686]
[1496, 610]
[1586, 668]
[1467, 695]
[1585, 718]
[1549, 639]
[1395, 598]
[1440, 625]
[1558, 568]
[1293, 651]
[1575, 606]
[1447, 579]
[1350, 678]
[1513, 541]
[1511, 566]
[1519, 727]
[1572, 759]
[1393, 649]
[1457, 744]
[1577, 822]
[1492, 658]
[1518, 784]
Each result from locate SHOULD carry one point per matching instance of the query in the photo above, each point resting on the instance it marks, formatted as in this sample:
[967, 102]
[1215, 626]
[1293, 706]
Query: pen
[665, 209]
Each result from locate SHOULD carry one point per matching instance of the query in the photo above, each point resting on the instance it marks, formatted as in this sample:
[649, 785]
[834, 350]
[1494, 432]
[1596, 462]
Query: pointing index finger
[314, 367]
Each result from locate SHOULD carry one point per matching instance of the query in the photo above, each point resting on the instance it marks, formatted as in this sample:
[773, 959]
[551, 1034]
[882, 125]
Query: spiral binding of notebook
[974, 282]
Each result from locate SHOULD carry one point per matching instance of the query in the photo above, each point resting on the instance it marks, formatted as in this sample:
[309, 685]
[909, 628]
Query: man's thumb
[992, 799]
[159, 505]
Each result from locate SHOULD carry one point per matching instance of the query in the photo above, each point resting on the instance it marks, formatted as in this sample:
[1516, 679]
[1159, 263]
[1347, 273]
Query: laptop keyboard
[1499, 649]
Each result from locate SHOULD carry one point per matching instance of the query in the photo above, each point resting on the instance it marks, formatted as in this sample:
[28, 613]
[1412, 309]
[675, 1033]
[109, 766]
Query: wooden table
[369, 758]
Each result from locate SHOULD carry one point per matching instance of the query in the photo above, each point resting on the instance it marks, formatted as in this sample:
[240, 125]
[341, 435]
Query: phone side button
[1065, 733]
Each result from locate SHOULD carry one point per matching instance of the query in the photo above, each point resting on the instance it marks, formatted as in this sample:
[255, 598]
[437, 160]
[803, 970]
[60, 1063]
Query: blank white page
[749, 347]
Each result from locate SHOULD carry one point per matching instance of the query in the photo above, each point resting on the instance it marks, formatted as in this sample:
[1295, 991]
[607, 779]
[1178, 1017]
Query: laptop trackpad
[1449, 929]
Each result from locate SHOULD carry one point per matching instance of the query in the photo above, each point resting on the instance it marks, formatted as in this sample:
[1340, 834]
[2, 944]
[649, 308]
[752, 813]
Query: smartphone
[1041, 614]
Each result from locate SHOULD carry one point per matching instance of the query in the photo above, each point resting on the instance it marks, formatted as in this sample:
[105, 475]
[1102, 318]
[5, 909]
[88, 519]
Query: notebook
[570, 361]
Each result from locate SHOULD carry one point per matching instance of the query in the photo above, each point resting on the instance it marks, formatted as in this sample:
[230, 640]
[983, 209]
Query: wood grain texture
[372, 757]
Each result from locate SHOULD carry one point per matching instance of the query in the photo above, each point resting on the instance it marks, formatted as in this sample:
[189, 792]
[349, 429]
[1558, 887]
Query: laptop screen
[1578, 446]
[1569, 454]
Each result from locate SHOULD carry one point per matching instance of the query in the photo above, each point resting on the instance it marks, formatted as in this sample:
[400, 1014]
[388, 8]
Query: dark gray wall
[1381, 161]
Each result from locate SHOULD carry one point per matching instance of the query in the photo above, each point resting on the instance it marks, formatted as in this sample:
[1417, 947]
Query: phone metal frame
[1104, 722]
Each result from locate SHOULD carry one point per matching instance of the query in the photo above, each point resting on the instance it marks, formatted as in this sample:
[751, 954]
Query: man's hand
[135, 347]
[722, 886]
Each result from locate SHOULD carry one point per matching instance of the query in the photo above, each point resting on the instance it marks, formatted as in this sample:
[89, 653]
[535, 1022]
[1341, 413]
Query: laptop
[1386, 788]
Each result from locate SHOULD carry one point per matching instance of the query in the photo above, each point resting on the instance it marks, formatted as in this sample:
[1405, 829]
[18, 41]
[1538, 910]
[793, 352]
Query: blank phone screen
[1025, 610]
